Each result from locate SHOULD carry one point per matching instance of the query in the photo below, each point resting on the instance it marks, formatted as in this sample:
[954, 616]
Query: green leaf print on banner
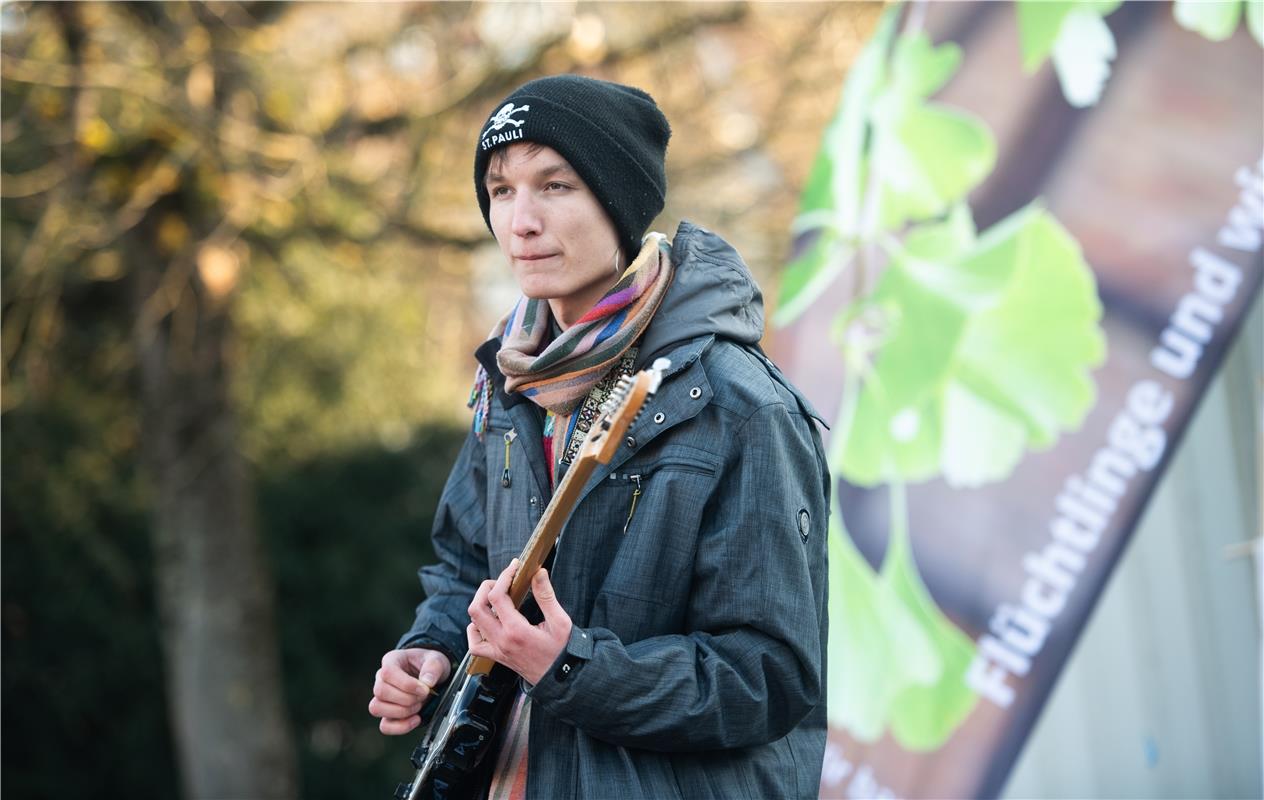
[970, 351]
[925, 156]
[896, 661]
[985, 353]
[831, 199]
[924, 714]
[1038, 26]
[921, 157]
[1215, 20]
[877, 648]
[1255, 19]
[1080, 43]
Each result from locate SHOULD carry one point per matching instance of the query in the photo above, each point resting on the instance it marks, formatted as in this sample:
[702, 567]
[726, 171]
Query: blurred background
[243, 272]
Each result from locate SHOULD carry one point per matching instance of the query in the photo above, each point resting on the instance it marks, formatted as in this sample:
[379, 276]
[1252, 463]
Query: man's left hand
[499, 632]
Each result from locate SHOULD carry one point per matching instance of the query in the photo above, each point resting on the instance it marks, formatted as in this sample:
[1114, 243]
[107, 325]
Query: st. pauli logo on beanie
[502, 118]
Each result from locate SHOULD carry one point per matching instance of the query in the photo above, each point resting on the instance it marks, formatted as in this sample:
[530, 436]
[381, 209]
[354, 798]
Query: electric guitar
[471, 709]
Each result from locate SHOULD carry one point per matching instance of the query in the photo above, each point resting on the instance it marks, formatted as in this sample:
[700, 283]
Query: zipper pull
[635, 495]
[505, 480]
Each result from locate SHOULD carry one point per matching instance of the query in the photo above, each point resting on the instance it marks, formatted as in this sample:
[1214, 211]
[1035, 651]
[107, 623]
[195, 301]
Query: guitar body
[459, 767]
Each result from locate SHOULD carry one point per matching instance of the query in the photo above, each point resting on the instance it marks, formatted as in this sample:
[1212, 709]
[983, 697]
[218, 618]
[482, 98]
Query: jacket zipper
[635, 494]
[510, 435]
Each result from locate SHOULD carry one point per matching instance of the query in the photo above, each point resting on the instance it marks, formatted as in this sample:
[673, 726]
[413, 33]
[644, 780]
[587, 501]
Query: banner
[1029, 236]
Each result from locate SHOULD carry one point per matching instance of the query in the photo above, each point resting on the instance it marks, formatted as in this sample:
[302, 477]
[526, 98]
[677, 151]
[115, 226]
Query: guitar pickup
[470, 739]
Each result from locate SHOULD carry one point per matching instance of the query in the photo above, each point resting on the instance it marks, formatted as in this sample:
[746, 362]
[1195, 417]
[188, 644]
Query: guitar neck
[542, 540]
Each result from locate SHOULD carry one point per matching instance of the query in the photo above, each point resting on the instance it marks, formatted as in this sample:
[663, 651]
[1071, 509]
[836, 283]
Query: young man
[682, 647]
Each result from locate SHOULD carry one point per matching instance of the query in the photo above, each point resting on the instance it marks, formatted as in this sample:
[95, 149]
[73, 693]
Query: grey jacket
[696, 665]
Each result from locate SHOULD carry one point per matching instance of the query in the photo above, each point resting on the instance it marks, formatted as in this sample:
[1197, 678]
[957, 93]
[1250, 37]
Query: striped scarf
[559, 376]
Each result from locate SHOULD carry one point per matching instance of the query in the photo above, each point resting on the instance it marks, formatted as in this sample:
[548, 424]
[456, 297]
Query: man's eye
[555, 185]
[498, 191]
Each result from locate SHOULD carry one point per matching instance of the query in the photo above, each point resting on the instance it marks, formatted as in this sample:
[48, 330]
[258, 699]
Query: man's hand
[403, 685]
[500, 633]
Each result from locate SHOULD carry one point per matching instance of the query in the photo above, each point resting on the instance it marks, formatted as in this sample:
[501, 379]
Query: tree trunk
[215, 591]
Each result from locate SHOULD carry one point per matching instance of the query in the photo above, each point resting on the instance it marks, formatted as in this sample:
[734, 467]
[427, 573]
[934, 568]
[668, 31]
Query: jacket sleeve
[752, 665]
[460, 546]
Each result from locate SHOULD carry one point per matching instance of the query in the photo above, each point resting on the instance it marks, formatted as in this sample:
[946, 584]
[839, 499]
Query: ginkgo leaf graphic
[877, 647]
[896, 662]
[921, 158]
[1215, 20]
[827, 225]
[1079, 41]
[986, 353]
[924, 714]
[925, 156]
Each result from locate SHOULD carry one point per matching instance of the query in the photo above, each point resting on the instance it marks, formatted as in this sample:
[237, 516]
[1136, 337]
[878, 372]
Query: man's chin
[537, 293]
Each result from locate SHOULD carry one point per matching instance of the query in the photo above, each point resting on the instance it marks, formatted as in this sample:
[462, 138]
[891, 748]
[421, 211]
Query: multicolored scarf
[559, 375]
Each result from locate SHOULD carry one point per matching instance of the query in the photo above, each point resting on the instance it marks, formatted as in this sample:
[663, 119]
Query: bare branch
[32, 182]
[283, 147]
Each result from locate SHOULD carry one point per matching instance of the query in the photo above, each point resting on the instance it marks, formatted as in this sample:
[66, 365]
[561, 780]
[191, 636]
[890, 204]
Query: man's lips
[537, 257]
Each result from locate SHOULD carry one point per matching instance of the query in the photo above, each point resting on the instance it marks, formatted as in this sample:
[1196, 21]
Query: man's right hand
[403, 685]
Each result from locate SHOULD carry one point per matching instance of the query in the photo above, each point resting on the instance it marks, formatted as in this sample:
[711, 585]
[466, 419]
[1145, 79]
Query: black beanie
[613, 135]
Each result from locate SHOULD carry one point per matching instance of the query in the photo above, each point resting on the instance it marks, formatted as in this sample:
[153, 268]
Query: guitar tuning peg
[659, 366]
[401, 791]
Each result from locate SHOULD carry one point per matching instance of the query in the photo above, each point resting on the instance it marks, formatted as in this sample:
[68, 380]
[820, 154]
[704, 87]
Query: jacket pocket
[637, 480]
[635, 618]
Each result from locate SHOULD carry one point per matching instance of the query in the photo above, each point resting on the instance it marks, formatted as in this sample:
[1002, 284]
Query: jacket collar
[683, 393]
[712, 293]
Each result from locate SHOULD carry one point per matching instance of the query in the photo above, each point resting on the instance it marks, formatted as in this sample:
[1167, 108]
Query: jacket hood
[712, 293]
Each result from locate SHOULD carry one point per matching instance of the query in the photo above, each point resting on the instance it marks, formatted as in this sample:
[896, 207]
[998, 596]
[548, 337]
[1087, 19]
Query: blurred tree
[214, 590]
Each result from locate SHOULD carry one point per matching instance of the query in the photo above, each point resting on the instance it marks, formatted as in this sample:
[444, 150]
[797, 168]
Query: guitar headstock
[620, 410]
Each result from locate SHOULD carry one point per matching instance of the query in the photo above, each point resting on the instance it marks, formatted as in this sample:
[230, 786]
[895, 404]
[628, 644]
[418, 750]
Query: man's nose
[526, 215]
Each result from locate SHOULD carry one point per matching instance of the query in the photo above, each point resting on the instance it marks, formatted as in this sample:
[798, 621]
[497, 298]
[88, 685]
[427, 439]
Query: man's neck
[569, 310]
